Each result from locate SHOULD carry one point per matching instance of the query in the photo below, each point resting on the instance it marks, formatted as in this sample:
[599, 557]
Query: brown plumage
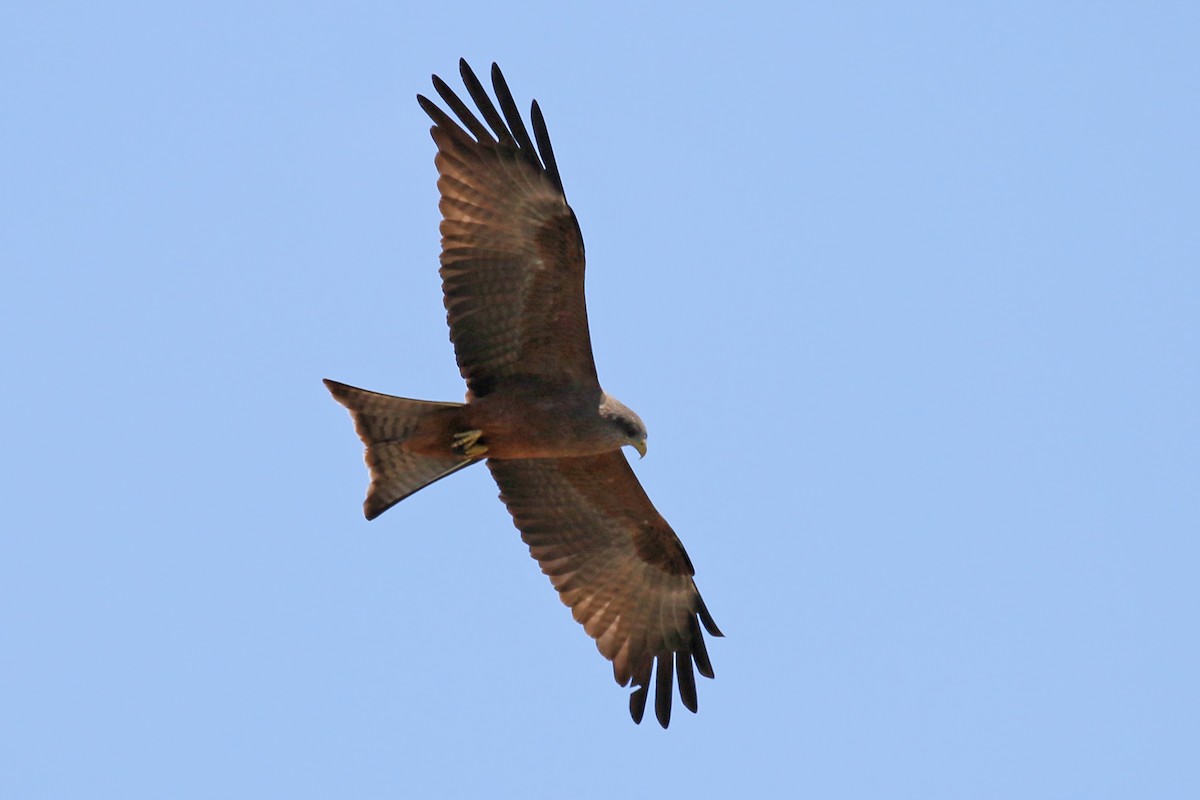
[512, 278]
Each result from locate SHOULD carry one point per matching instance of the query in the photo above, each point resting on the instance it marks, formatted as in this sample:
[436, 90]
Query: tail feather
[384, 423]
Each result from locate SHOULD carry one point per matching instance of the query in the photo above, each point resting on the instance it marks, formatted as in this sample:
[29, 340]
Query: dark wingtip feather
[544, 147]
[707, 619]
[436, 114]
[462, 111]
[687, 681]
[371, 511]
[662, 690]
[442, 123]
[513, 116]
[700, 650]
[637, 703]
[487, 108]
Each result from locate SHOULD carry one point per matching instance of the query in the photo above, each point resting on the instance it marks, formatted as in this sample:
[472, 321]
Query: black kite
[512, 275]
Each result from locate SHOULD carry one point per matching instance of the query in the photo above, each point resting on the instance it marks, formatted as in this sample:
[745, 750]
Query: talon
[467, 443]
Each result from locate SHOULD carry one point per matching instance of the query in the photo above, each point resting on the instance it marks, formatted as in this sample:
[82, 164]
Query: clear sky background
[907, 294]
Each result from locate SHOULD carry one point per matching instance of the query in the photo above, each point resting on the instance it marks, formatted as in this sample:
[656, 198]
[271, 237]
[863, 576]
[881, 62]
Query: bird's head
[627, 426]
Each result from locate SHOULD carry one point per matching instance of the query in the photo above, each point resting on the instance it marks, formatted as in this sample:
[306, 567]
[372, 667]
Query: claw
[467, 444]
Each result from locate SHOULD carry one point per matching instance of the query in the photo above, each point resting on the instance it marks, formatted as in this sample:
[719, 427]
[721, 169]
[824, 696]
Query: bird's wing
[512, 254]
[618, 565]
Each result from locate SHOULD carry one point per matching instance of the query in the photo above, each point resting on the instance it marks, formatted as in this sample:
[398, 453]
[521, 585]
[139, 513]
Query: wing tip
[687, 681]
[637, 703]
[663, 689]
[372, 511]
[709, 624]
[337, 388]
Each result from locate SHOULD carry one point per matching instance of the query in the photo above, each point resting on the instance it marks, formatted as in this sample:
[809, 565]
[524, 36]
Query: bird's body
[537, 420]
[529, 420]
[512, 277]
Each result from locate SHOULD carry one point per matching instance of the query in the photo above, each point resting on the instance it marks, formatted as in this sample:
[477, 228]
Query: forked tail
[385, 423]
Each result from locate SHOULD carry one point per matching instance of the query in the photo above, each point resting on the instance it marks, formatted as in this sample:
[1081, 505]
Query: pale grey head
[626, 425]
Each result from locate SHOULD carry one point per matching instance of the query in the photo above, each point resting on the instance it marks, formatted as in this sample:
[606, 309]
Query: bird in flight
[512, 267]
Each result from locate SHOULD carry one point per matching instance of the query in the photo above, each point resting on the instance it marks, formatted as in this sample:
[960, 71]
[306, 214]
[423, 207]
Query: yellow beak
[640, 447]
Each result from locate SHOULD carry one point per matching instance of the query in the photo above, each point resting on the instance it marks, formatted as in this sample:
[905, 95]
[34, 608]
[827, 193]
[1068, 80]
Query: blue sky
[908, 299]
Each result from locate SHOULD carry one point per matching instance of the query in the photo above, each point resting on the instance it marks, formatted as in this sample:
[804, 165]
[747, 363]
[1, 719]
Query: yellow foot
[467, 444]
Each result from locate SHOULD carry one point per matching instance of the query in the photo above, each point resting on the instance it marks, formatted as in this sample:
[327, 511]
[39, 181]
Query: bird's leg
[467, 444]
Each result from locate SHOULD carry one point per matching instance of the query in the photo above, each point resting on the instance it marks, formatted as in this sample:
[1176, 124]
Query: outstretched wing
[512, 254]
[618, 565]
